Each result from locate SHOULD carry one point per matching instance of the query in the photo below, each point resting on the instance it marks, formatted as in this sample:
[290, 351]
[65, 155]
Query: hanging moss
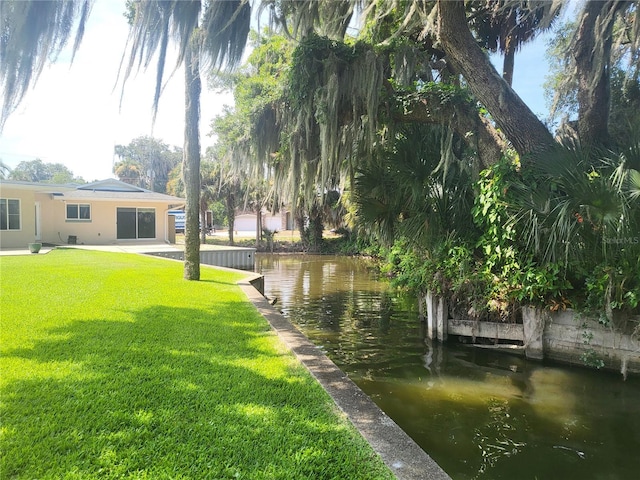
[333, 98]
[308, 63]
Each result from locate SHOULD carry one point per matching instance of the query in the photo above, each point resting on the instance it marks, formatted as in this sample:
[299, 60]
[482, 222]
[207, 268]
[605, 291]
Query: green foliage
[612, 287]
[438, 94]
[624, 120]
[563, 233]
[513, 273]
[589, 356]
[218, 212]
[561, 85]
[410, 189]
[578, 208]
[147, 162]
[116, 367]
[42, 172]
[560, 88]
[407, 265]
[249, 135]
[591, 359]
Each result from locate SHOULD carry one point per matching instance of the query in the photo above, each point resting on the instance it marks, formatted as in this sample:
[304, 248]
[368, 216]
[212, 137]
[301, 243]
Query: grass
[113, 366]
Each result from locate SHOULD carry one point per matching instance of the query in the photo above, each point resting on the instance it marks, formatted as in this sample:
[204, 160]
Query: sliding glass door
[134, 223]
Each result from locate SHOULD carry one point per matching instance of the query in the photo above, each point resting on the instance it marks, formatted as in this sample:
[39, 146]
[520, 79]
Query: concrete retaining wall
[562, 336]
[489, 330]
[241, 258]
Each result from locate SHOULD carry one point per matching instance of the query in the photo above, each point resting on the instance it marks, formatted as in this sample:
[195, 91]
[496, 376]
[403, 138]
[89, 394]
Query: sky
[73, 114]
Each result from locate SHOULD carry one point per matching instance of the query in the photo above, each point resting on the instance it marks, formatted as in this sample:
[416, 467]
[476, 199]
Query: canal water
[479, 414]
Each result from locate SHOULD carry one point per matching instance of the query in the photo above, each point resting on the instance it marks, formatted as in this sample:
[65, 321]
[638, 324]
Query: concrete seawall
[564, 336]
[398, 451]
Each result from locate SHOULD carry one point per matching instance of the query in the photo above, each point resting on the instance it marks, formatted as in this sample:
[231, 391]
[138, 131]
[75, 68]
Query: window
[78, 211]
[9, 214]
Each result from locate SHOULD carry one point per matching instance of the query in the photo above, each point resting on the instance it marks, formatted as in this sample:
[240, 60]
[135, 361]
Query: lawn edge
[397, 450]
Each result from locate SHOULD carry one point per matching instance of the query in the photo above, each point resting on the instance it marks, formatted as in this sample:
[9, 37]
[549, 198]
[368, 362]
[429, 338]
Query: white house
[246, 221]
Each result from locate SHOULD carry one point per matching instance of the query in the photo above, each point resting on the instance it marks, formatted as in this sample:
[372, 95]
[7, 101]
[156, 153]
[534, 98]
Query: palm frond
[31, 34]
[216, 30]
[634, 185]
[578, 204]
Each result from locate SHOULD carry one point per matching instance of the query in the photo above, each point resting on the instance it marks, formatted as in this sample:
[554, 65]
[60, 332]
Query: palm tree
[505, 26]
[128, 171]
[211, 33]
[591, 203]
[411, 190]
[579, 208]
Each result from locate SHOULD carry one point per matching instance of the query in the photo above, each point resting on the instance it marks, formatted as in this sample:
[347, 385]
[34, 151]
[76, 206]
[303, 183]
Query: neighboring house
[246, 221]
[100, 213]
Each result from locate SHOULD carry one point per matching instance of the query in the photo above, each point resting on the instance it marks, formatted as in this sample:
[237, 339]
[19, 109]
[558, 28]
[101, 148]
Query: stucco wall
[102, 228]
[26, 234]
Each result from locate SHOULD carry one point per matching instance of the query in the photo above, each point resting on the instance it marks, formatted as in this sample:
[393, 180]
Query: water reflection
[477, 413]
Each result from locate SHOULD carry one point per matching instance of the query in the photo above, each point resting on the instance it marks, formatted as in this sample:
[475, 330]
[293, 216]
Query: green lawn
[113, 366]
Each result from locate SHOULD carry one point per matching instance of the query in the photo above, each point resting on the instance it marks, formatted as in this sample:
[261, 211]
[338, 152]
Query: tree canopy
[39, 171]
[146, 162]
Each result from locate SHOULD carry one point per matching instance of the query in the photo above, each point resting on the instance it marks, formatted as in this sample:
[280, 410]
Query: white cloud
[72, 115]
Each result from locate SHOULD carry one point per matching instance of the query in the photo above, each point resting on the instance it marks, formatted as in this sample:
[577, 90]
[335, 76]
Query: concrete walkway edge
[398, 451]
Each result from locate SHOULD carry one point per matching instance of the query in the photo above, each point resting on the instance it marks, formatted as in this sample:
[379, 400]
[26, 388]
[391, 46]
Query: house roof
[111, 185]
[104, 190]
[42, 187]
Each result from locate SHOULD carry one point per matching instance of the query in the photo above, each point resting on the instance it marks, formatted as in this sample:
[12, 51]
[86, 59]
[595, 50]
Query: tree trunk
[520, 125]
[592, 65]
[299, 221]
[258, 226]
[510, 49]
[509, 64]
[191, 165]
[477, 132]
[231, 215]
[316, 228]
[203, 225]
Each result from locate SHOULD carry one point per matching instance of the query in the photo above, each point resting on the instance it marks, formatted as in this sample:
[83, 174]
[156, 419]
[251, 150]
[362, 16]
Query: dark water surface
[479, 414]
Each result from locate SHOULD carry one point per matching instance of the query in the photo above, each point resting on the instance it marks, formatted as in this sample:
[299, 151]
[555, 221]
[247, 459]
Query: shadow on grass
[174, 393]
[221, 282]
